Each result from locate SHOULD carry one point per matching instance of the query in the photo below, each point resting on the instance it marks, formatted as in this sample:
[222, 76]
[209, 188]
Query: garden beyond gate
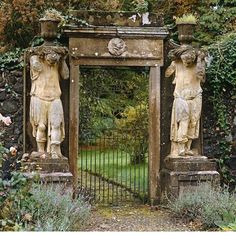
[127, 41]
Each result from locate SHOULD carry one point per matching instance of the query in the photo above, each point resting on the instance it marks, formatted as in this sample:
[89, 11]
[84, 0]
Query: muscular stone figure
[189, 68]
[47, 67]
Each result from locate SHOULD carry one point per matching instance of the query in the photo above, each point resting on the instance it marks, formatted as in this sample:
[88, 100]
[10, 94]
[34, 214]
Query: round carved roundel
[117, 46]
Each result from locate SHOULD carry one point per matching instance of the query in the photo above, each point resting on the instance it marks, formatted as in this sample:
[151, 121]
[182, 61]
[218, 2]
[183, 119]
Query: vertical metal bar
[113, 172]
[139, 166]
[126, 164]
[117, 174]
[80, 168]
[24, 103]
[95, 168]
[74, 121]
[90, 169]
[86, 164]
[104, 187]
[135, 168]
[121, 171]
[154, 133]
[108, 185]
[130, 177]
[99, 171]
[144, 180]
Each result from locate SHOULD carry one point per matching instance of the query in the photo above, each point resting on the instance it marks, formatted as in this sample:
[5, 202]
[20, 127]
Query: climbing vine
[221, 87]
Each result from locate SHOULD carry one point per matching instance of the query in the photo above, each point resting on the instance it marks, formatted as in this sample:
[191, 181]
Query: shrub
[15, 198]
[190, 18]
[25, 206]
[132, 131]
[55, 210]
[208, 204]
[220, 88]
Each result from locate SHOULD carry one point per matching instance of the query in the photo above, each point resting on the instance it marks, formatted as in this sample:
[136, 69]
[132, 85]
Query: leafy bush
[132, 132]
[11, 60]
[104, 95]
[220, 88]
[189, 18]
[205, 203]
[15, 200]
[55, 210]
[26, 206]
[228, 223]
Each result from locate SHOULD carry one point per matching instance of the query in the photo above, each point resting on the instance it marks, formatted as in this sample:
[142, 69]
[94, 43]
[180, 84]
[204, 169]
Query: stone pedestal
[183, 173]
[49, 170]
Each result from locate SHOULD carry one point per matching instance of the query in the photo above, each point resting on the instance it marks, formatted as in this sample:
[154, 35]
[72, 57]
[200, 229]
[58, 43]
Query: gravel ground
[139, 218]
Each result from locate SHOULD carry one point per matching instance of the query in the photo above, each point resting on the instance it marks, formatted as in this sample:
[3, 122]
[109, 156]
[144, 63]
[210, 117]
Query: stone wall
[11, 104]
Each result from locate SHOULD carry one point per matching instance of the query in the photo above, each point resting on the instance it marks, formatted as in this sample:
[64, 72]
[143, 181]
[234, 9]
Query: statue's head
[188, 57]
[52, 58]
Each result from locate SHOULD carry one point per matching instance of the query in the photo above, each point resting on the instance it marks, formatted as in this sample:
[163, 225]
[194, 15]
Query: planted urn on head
[49, 25]
[186, 25]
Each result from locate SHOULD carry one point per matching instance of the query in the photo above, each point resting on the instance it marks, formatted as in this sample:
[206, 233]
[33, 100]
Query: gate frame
[134, 37]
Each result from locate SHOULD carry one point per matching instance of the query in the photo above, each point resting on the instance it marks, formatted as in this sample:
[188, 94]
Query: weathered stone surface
[10, 106]
[47, 67]
[190, 163]
[188, 66]
[58, 177]
[2, 95]
[143, 46]
[46, 165]
[18, 87]
[181, 173]
[133, 19]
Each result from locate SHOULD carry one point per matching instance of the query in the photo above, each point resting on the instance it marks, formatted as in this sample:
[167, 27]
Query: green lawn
[115, 165]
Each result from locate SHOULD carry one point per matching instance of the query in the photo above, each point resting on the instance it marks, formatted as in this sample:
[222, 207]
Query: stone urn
[49, 28]
[185, 31]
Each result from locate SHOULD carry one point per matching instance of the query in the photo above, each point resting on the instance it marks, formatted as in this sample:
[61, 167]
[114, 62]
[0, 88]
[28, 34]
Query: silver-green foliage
[56, 210]
[208, 204]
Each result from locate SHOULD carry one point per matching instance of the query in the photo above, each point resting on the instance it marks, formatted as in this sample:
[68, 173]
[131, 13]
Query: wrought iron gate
[113, 134]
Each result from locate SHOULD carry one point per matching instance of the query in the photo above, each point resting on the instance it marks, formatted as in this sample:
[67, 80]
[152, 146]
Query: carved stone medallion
[117, 46]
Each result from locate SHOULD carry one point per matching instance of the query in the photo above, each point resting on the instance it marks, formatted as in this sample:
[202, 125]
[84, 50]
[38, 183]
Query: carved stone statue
[188, 64]
[47, 67]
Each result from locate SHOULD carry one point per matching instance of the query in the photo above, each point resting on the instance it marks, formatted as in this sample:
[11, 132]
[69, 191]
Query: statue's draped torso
[187, 85]
[45, 80]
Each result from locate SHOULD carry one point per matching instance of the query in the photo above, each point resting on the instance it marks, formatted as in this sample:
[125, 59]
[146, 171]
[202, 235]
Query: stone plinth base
[183, 173]
[56, 177]
[46, 165]
[47, 170]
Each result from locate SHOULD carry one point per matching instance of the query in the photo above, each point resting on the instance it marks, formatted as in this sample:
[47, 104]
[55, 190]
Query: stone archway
[132, 43]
